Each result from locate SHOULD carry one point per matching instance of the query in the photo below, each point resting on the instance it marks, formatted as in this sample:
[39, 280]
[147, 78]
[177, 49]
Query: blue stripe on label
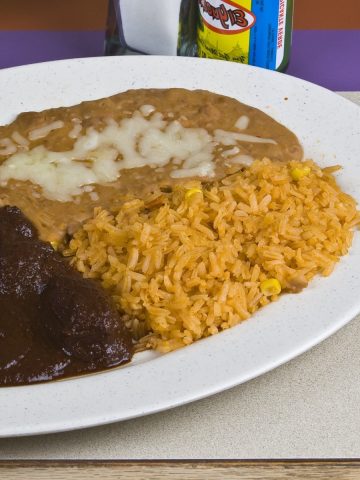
[263, 35]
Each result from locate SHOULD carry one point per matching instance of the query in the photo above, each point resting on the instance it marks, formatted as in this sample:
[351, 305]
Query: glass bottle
[255, 32]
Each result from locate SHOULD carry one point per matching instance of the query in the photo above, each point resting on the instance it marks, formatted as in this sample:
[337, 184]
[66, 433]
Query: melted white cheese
[146, 110]
[94, 196]
[231, 138]
[19, 139]
[242, 123]
[76, 130]
[44, 131]
[242, 159]
[145, 139]
[230, 152]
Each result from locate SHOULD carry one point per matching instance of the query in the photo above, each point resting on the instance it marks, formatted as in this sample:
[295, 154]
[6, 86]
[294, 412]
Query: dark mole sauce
[53, 322]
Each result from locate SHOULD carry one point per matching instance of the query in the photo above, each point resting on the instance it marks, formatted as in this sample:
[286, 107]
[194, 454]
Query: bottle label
[245, 31]
[226, 17]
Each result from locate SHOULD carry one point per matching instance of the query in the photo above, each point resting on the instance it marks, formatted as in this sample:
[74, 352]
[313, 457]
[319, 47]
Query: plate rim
[49, 427]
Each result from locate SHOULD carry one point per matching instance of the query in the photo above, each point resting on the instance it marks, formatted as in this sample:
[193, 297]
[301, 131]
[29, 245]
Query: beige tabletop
[308, 408]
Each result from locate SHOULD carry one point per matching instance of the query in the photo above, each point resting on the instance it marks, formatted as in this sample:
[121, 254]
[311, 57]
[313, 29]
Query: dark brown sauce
[53, 322]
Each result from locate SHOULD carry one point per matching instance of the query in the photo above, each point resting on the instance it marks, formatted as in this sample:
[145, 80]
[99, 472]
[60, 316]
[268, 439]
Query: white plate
[329, 128]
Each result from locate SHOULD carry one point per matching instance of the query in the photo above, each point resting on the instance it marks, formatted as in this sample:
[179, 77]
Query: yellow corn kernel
[54, 245]
[298, 173]
[271, 286]
[192, 191]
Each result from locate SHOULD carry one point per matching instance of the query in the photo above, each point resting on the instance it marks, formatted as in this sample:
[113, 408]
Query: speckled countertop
[308, 408]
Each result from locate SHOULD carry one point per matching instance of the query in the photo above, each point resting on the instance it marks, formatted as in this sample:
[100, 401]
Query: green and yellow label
[245, 31]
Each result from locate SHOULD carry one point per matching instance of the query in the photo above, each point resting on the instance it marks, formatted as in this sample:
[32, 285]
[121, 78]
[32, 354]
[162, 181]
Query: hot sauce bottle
[255, 32]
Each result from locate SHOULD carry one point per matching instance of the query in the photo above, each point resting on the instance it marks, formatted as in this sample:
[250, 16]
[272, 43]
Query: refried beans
[58, 129]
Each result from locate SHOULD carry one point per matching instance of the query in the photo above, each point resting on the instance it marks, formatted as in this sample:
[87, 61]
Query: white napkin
[151, 26]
